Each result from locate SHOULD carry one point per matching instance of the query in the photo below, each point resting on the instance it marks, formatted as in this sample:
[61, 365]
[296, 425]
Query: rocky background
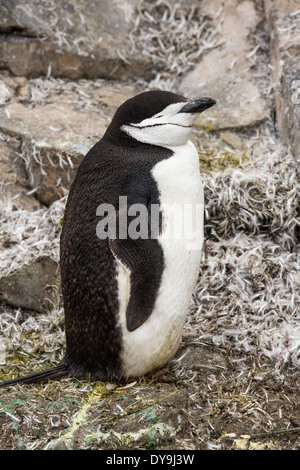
[64, 69]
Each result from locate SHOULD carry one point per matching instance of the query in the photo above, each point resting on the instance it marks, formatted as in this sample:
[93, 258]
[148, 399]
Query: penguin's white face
[170, 127]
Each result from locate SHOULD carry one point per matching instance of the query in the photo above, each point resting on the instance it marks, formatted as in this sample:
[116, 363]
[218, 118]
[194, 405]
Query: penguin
[126, 289]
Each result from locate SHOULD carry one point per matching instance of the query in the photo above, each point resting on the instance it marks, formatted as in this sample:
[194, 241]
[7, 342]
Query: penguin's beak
[197, 106]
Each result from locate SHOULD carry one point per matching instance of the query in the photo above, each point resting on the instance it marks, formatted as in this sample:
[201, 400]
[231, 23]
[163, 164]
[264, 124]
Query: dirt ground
[202, 400]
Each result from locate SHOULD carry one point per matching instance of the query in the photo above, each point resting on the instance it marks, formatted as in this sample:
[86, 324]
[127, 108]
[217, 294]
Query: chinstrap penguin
[126, 299]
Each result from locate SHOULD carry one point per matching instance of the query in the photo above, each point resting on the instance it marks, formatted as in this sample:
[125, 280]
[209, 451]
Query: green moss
[207, 126]
[20, 362]
[149, 414]
[10, 410]
[217, 159]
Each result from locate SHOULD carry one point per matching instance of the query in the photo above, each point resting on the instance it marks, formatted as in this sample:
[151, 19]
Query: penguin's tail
[55, 372]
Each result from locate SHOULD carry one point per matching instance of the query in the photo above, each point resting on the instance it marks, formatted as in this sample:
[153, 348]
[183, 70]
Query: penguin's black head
[158, 118]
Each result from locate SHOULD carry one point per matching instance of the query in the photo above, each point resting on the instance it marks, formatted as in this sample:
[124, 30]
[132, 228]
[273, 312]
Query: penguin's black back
[88, 272]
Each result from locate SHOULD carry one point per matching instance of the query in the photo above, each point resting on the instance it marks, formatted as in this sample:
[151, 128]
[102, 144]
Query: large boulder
[56, 124]
[86, 39]
[283, 17]
[35, 286]
[224, 73]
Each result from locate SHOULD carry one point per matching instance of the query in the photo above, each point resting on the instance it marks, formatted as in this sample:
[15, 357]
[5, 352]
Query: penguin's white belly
[181, 196]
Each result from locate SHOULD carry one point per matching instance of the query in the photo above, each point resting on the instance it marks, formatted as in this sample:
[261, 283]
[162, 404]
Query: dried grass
[172, 35]
[248, 297]
[25, 235]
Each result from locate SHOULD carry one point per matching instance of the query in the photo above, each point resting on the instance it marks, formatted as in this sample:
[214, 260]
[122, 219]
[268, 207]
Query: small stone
[232, 139]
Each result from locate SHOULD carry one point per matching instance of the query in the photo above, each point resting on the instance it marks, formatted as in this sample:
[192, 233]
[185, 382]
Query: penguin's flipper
[144, 261]
[53, 373]
[139, 251]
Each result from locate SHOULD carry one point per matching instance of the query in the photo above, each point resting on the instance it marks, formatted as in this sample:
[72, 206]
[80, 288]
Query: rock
[231, 139]
[86, 39]
[35, 286]
[54, 141]
[57, 126]
[224, 72]
[11, 173]
[283, 18]
[7, 23]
